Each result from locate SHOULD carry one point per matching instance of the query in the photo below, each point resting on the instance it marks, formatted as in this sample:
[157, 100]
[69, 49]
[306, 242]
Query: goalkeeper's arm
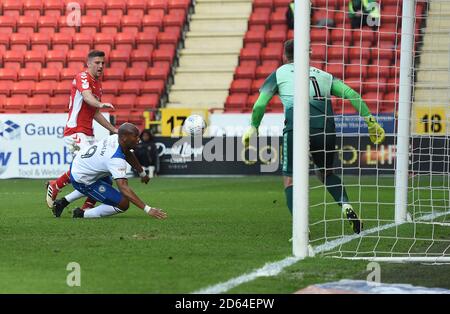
[340, 89]
[258, 111]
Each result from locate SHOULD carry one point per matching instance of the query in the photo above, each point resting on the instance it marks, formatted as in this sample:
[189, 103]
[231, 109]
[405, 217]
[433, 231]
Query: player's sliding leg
[101, 191]
[54, 186]
[89, 203]
[59, 205]
[322, 148]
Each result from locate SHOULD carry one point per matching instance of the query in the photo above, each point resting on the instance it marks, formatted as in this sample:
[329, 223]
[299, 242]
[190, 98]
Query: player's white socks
[102, 210]
[74, 196]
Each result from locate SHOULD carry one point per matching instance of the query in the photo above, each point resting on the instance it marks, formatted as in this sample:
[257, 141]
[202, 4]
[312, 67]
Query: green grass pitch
[217, 229]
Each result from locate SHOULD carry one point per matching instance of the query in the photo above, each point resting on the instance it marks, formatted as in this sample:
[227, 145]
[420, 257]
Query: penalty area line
[274, 268]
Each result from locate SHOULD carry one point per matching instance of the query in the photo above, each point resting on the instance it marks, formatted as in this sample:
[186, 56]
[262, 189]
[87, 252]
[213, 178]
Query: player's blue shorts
[101, 191]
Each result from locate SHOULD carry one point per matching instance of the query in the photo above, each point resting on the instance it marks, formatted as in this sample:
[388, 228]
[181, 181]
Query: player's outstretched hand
[376, 132]
[107, 105]
[251, 131]
[157, 213]
[145, 179]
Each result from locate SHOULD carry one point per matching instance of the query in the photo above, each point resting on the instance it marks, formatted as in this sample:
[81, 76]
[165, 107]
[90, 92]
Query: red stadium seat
[373, 101]
[16, 102]
[143, 56]
[63, 87]
[355, 72]
[49, 74]
[152, 20]
[68, 74]
[125, 41]
[341, 37]
[179, 4]
[241, 86]
[272, 53]
[157, 5]
[119, 56]
[256, 85]
[147, 101]
[135, 74]
[56, 59]
[33, 7]
[110, 24]
[45, 87]
[20, 41]
[83, 41]
[250, 54]
[27, 24]
[174, 18]
[38, 103]
[13, 59]
[104, 39]
[7, 24]
[4, 41]
[263, 4]
[28, 74]
[337, 54]
[131, 23]
[75, 55]
[243, 72]
[130, 87]
[113, 74]
[357, 53]
[238, 100]
[146, 40]
[90, 24]
[53, 7]
[136, 7]
[259, 18]
[95, 8]
[5, 87]
[12, 8]
[41, 41]
[320, 35]
[164, 55]
[362, 35]
[125, 102]
[275, 36]
[34, 59]
[153, 87]
[318, 52]
[336, 70]
[115, 7]
[61, 41]
[111, 87]
[254, 37]
[8, 75]
[59, 103]
[379, 71]
[23, 87]
[157, 73]
[263, 71]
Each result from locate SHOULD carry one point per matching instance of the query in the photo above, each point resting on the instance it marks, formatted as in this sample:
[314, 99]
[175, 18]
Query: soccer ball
[194, 125]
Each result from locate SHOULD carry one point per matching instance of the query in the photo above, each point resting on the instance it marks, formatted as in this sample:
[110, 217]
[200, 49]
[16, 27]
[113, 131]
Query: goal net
[396, 55]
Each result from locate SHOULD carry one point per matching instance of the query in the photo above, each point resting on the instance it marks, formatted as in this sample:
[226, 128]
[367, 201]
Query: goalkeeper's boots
[52, 193]
[58, 206]
[356, 223]
[78, 213]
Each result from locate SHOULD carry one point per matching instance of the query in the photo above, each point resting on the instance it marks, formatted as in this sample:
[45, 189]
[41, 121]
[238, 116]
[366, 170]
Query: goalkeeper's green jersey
[321, 86]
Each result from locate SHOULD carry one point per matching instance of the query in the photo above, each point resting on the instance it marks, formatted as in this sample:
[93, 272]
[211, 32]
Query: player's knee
[124, 204]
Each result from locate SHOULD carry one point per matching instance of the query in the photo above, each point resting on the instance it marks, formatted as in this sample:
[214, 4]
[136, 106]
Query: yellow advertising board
[431, 120]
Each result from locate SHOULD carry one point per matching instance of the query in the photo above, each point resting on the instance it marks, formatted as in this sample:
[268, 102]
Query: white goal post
[405, 206]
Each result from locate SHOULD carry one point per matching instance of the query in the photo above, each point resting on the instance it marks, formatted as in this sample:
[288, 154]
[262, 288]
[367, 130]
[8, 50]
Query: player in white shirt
[91, 173]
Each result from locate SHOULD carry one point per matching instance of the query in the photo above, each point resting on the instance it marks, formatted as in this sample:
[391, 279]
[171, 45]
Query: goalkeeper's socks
[336, 189]
[102, 210]
[63, 180]
[288, 193]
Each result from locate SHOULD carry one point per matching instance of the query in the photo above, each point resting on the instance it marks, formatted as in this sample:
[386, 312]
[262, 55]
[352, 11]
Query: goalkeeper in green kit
[322, 127]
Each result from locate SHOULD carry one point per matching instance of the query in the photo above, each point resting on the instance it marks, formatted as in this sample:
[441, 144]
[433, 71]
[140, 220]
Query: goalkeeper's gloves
[376, 132]
[251, 131]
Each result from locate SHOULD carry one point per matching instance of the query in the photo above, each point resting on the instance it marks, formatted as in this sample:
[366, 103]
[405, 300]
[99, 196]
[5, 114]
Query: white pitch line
[273, 269]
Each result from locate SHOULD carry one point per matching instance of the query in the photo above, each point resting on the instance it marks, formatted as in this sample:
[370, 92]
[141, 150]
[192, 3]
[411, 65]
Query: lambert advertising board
[32, 145]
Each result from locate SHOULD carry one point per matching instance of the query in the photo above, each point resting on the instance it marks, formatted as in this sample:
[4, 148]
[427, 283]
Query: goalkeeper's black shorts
[322, 147]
